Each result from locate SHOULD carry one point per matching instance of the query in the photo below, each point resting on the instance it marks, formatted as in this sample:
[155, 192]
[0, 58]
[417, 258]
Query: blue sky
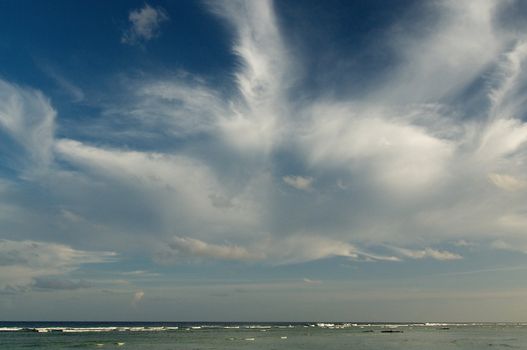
[251, 160]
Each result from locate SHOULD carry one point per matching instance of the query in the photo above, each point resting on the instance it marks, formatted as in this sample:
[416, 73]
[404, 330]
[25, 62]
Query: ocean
[268, 336]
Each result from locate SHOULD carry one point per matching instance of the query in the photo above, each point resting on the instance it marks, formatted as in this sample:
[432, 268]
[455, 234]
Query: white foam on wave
[87, 329]
[10, 329]
[259, 327]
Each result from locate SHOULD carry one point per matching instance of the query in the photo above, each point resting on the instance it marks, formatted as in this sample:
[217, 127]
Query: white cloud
[465, 29]
[254, 123]
[430, 152]
[302, 248]
[507, 182]
[179, 187]
[28, 119]
[269, 250]
[179, 105]
[400, 156]
[427, 253]
[24, 263]
[144, 24]
[299, 182]
[405, 148]
[193, 247]
[500, 139]
[509, 79]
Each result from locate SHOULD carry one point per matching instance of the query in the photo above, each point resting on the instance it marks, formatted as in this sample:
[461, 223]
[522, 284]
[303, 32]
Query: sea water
[269, 336]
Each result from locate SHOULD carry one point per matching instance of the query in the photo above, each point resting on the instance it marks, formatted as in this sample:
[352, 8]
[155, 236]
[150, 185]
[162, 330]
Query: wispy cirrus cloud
[27, 125]
[402, 164]
[66, 86]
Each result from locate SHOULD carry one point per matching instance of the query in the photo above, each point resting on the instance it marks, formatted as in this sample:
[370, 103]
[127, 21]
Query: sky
[258, 161]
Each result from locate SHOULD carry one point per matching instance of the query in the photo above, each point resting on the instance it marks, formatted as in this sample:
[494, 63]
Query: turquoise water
[270, 337]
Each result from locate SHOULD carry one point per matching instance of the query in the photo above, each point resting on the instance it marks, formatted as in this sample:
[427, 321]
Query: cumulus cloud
[144, 24]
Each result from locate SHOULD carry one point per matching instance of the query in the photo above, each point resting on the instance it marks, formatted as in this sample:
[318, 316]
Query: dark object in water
[391, 331]
[444, 328]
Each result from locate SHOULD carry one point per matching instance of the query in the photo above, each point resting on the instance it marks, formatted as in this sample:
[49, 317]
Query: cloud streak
[428, 253]
[27, 124]
[197, 248]
[32, 264]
